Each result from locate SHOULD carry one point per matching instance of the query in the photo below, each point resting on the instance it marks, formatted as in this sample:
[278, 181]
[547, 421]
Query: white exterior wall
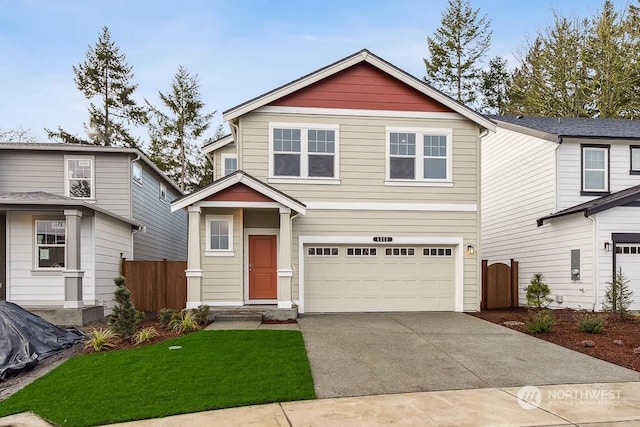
[112, 237]
[570, 169]
[616, 220]
[518, 187]
[28, 286]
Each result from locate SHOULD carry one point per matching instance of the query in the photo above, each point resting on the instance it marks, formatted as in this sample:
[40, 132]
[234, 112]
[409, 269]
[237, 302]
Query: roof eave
[529, 131]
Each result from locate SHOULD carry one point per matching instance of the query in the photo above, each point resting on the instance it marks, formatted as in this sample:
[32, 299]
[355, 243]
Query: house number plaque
[383, 239]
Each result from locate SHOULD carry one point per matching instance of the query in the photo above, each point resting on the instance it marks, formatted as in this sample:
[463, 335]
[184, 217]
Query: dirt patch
[615, 344]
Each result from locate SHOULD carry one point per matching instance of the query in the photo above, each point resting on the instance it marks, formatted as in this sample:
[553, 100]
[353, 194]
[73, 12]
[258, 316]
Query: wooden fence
[156, 284]
[499, 285]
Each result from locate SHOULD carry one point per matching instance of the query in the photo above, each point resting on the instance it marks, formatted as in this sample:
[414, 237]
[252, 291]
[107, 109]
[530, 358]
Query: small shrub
[590, 323]
[184, 323]
[201, 314]
[101, 339]
[542, 321]
[125, 318]
[538, 292]
[144, 335]
[617, 297]
[166, 315]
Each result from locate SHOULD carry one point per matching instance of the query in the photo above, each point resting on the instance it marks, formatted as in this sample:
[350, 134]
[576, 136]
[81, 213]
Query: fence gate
[499, 285]
[156, 284]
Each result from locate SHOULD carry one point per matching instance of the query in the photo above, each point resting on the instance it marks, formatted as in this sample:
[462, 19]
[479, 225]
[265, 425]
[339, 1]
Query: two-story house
[67, 215]
[560, 196]
[356, 189]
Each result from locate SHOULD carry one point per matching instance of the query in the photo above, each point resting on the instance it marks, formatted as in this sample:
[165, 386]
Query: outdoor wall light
[470, 249]
[607, 246]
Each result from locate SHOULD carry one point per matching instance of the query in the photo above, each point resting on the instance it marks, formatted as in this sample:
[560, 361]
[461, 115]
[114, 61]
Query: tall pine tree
[495, 85]
[177, 130]
[106, 77]
[456, 51]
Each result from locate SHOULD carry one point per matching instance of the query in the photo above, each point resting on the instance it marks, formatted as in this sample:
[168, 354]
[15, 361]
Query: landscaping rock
[512, 323]
[636, 350]
[618, 342]
[588, 343]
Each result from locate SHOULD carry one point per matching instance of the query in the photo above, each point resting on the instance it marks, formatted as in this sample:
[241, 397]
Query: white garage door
[628, 257]
[341, 278]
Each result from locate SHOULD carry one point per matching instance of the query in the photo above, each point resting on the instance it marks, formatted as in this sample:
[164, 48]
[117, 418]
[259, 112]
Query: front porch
[60, 316]
[254, 312]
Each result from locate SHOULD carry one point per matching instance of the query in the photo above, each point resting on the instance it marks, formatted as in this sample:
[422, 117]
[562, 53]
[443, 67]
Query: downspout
[596, 256]
[136, 159]
[556, 180]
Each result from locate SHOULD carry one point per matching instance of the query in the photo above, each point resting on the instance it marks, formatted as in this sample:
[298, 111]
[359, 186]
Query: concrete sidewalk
[552, 405]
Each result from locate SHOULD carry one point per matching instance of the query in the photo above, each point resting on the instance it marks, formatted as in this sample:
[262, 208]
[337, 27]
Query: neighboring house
[561, 196]
[69, 212]
[357, 189]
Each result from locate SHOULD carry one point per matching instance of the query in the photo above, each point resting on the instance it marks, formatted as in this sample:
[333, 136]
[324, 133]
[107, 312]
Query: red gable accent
[238, 193]
[362, 86]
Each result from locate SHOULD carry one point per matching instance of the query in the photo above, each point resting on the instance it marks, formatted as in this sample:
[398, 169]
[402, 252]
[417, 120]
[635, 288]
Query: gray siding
[166, 232]
[113, 191]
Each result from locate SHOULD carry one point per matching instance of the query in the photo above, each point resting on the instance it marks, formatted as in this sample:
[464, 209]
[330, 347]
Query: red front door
[263, 263]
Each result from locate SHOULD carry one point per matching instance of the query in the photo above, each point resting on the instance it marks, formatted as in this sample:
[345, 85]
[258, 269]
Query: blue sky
[239, 48]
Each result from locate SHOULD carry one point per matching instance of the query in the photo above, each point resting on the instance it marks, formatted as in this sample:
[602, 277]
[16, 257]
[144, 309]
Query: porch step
[237, 316]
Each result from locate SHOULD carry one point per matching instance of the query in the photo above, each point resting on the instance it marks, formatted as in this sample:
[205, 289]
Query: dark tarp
[26, 338]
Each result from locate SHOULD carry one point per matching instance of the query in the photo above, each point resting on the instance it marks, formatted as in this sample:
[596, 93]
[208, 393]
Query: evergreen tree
[552, 77]
[125, 318]
[456, 51]
[618, 295]
[609, 55]
[106, 77]
[495, 85]
[175, 132]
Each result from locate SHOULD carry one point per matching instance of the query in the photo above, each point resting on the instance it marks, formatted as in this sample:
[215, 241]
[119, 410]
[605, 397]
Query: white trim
[72, 304]
[416, 183]
[261, 302]
[228, 139]
[458, 242]
[223, 161]
[218, 252]
[231, 204]
[356, 58]
[194, 272]
[382, 206]
[360, 113]
[304, 152]
[311, 180]
[605, 171]
[287, 272]
[257, 232]
[67, 158]
[285, 304]
[194, 208]
[233, 179]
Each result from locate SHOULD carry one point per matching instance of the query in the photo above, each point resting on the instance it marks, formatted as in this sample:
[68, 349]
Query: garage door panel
[409, 282]
[628, 258]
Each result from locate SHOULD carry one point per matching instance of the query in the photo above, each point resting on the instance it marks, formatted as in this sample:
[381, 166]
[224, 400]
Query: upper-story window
[79, 183]
[229, 163]
[136, 172]
[595, 169]
[163, 192]
[635, 160]
[304, 151]
[419, 156]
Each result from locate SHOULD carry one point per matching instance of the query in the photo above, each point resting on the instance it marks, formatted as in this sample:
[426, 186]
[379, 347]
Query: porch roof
[239, 177]
[41, 199]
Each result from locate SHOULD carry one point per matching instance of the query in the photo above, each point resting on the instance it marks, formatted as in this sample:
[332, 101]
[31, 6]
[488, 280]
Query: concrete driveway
[379, 353]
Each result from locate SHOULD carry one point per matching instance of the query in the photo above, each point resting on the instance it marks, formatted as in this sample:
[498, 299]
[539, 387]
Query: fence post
[123, 265]
[514, 284]
[165, 283]
[483, 300]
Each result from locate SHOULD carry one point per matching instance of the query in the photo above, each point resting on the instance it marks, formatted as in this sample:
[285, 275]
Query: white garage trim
[368, 240]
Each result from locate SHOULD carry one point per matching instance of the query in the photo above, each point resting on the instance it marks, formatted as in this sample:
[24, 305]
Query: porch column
[194, 266]
[284, 260]
[72, 273]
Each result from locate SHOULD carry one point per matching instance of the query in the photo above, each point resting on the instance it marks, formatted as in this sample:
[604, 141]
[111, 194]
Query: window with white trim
[437, 251]
[219, 234]
[163, 192]
[323, 251]
[50, 243]
[595, 169]
[400, 251]
[304, 151]
[136, 172]
[635, 160]
[362, 251]
[79, 183]
[419, 155]
[229, 163]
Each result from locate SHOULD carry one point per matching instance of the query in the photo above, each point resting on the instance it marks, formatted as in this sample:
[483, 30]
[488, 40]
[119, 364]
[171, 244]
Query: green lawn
[214, 369]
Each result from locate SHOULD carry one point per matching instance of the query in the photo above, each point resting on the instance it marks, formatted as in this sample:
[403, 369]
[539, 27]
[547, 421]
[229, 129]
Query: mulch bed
[566, 334]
